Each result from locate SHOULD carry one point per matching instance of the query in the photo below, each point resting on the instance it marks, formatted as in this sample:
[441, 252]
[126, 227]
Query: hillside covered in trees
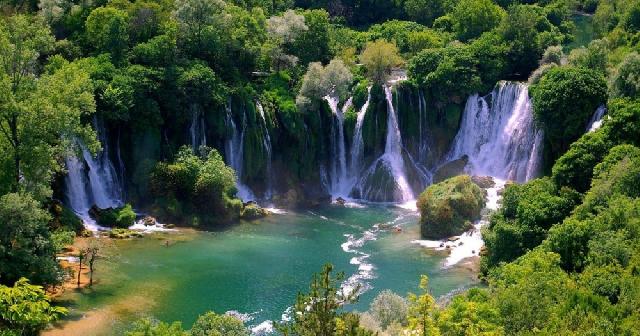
[201, 112]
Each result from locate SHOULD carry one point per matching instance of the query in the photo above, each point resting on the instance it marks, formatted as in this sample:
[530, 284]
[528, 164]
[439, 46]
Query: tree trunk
[13, 125]
[79, 271]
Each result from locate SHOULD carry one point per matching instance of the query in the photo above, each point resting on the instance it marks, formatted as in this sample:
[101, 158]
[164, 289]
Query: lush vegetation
[200, 187]
[448, 208]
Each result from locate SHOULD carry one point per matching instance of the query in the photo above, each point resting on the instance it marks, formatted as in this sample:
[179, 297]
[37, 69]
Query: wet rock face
[483, 181]
[448, 208]
[450, 169]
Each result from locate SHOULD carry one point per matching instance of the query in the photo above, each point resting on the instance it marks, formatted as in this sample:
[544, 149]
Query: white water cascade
[357, 145]
[423, 149]
[266, 143]
[499, 137]
[234, 150]
[197, 130]
[596, 120]
[92, 181]
[386, 180]
[339, 182]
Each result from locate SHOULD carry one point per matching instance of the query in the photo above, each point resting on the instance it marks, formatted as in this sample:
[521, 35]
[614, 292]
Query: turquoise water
[258, 267]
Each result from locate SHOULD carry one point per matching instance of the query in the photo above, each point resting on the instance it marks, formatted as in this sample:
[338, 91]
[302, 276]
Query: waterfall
[596, 120]
[423, 148]
[386, 180]
[266, 143]
[197, 130]
[357, 145]
[92, 180]
[339, 182]
[234, 150]
[500, 138]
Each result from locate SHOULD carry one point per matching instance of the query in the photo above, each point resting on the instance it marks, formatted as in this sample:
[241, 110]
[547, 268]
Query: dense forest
[195, 106]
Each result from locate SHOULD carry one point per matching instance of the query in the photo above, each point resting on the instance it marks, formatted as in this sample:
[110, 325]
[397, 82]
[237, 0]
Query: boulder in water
[483, 181]
[253, 211]
[149, 221]
[341, 201]
[122, 217]
[448, 208]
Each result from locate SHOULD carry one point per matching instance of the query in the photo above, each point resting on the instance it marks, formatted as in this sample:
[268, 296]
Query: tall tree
[39, 113]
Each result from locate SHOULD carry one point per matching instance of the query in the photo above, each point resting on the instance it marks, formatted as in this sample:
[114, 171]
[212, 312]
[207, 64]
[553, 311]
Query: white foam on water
[157, 227]
[469, 243]
[276, 211]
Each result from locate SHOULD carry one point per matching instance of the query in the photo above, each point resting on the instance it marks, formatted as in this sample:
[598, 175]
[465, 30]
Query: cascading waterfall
[197, 130]
[500, 139]
[423, 148]
[266, 142]
[357, 145]
[339, 181]
[234, 150]
[92, 180]
[596, 120]
[386, 178]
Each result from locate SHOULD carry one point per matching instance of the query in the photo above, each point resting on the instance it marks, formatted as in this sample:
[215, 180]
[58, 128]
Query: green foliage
[107, 31]
[527, 32]
[148, 327]
[441, 72]
[212, 324]
[37, 110]
[122, 217]
[528, 211]
[473, 17]
[62, 239]
[25, 309]
[379, 58]
[200, 185]
[447, 208]
[626, 81]
[316, 312]
[389, 308]
[26, 249]
[564, 100]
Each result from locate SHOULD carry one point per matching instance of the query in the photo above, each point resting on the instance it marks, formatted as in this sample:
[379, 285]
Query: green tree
[25, 309]
[527, 32]
[316, 313]
[212, 324]
[108, 31]
[473, 17]
[626, 80]
[425, 11]
[388, 308]
[563, 102]
[312, 44]
[528, 212]
[422, 308]
[149, 327]
[39, 114]
[379, 58]
[26, 248]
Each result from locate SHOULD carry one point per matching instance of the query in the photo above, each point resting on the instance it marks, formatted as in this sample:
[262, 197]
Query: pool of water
[257, 268]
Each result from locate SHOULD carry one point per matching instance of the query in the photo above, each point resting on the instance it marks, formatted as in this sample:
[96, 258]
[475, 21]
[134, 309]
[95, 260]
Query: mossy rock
[448, 208]
[62, 218]
[122, 217]
[253, 211]
[124, 234]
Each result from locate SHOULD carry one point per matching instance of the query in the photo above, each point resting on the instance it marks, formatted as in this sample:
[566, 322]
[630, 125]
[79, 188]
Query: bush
[389, 308]
[122, 217]
[563, 101]
[447, 208]
[202, 186]
[212, 324]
